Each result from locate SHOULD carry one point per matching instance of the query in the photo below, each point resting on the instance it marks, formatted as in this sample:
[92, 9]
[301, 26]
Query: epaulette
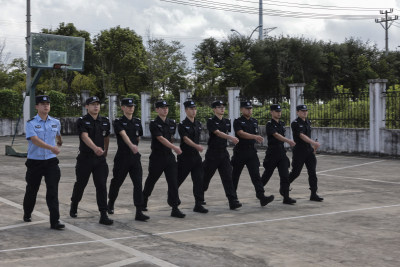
[137, 119]
[117, 119]
[31, 118]
[152, 121]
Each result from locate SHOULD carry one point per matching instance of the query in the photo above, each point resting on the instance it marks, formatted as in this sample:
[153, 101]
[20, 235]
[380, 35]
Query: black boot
[199, 208]
[57, 226]
[140, 216]
[104, 218]
[315, 197]
[264, 200]
[289, 201]
[177, 213]
[73, 212]
[110, 207]
[27, 218]
[235, 204]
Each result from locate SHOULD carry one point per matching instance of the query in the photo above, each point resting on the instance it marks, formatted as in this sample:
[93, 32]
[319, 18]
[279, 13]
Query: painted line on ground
[122, 263]
[95, 237]
[203, 228]
[364, 179]
[352, 166]
[21, 225]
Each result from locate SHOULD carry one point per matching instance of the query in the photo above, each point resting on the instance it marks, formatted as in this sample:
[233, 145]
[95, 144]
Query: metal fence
[173, 103]
[261, 107]
[340, 110]
[392, 109]
[204, 110]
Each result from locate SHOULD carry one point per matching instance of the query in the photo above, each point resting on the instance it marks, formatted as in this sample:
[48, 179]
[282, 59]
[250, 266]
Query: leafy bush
[58, 103]
[10, 104]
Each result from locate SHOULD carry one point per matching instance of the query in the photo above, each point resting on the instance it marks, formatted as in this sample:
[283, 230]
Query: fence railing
[392, 120]
[341, 110]
[261, 107]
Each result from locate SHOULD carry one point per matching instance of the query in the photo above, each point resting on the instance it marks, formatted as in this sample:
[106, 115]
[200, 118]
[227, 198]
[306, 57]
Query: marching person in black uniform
[42, 131]
[245, 153]
[127, 158]
[190, 160]
[162, 159]
[304, 151]
[217, 156]
[94, 139]
[275, 156]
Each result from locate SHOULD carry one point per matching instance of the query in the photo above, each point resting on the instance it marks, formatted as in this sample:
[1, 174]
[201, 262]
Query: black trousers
[159, 163]
[276, 157]
[86, 165]
[192, 163]
[219, 159]
[36, 169]
[300, 157]
[124, 164]
[247, 156]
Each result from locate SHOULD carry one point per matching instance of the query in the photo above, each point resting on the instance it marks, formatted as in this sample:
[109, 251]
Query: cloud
[189, 25]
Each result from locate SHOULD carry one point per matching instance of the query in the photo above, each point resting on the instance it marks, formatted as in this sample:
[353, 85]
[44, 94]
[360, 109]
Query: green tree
[238, 71]
[16, 72]
[121, 60]
[208, 67]
[84, 82]
[167, 67]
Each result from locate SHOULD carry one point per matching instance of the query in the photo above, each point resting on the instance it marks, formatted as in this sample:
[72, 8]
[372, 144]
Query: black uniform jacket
[223, 125]
[166, 128]
[97, 129]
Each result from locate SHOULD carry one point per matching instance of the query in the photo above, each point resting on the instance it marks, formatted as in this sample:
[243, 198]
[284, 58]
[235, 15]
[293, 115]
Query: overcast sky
[191, 24]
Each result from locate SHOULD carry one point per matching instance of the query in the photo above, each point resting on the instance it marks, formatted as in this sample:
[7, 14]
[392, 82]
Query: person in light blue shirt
[44, 138]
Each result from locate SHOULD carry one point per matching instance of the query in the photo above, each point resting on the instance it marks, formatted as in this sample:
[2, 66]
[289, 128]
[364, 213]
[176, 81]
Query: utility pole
[28, 69]
[386, 27]
[260, 21]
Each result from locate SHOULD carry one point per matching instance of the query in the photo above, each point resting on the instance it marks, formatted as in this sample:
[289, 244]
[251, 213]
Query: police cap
[92, 99]
[161, 103]
[275, 107]
[301, 107]
[246, 104]
[189, 104]
[127, 102]
[217, 103]
[42, 98]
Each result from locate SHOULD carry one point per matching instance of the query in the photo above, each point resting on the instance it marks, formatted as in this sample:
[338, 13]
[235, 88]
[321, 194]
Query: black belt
[244, 146]
[217, 149]
[89, 154]
[275, 145]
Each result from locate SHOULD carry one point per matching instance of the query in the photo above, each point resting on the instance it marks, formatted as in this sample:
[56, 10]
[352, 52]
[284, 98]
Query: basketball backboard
[48, 50]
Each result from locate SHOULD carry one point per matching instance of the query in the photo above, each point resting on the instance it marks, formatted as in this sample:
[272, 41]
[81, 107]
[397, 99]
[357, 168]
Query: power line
[386, 25]
[310, 6]
[270, 12]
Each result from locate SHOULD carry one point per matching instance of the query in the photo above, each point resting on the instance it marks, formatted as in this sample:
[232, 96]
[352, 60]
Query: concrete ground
[357, 224]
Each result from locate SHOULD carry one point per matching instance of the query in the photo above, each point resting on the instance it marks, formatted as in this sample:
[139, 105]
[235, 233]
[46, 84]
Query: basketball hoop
[58, 66]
